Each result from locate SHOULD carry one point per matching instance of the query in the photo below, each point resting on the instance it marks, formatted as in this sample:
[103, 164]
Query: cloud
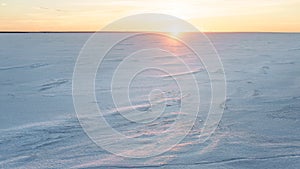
[49, 9]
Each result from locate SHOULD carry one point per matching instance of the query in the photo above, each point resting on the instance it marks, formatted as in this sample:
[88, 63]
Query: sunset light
[206, 15]
[162, 84]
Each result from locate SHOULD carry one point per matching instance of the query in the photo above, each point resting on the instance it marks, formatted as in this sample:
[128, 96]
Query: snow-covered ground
[259, 128]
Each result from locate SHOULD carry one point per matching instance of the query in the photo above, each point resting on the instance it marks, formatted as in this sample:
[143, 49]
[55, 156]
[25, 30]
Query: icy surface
[259, 128]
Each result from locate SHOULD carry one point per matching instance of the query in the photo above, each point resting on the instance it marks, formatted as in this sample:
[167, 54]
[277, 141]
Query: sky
[206, 15]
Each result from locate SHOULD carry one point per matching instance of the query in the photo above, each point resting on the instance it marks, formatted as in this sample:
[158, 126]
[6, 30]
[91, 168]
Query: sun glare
[176, 30]
[175, 33]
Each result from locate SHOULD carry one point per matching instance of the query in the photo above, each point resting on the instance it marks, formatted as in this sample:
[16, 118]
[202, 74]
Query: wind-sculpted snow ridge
[259, 127]
[31, 66]
[184, 73]
[53, 84]
[63, 144]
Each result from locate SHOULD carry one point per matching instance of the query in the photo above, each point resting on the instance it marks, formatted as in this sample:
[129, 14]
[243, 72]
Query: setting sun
[149, 84]
[175, 33]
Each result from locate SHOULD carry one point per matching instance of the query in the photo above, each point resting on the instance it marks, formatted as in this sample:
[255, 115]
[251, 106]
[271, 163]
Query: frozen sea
[260, 126]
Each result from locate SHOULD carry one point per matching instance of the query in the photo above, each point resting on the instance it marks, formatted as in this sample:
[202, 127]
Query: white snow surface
[259, 128]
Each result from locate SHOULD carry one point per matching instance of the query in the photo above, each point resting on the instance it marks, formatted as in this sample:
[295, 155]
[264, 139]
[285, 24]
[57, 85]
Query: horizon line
[143, 32]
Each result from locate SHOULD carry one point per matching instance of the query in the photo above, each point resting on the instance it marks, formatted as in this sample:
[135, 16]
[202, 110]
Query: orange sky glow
[206, 15]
